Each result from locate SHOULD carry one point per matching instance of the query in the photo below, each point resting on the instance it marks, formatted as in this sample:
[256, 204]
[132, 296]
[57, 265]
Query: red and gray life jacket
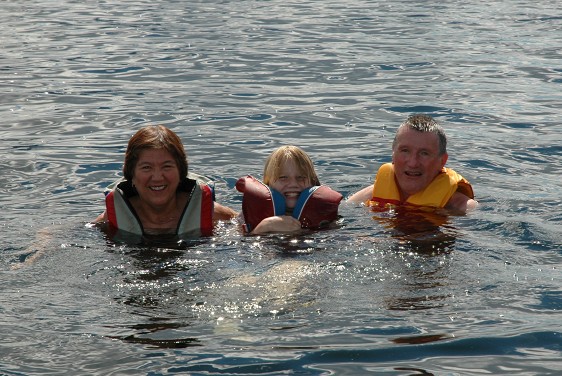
[196, 219]
[316, 206]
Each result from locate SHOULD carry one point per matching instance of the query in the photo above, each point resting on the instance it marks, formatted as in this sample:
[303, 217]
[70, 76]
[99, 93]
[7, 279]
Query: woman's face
[291, 183]
[156, 177]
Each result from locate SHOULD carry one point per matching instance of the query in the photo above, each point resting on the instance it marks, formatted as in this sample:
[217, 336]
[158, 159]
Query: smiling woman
[157, 196]
[156, 179]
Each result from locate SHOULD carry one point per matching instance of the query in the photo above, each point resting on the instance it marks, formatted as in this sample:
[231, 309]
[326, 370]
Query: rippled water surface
[474, 295]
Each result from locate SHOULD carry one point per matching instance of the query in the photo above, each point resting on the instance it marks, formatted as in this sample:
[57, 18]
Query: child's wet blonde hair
[272, 168]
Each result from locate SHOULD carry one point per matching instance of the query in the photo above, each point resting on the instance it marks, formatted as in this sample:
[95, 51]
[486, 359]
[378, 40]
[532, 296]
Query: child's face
[291, 183]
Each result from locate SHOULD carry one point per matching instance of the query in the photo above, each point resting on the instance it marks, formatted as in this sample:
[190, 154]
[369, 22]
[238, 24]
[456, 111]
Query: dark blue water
[477, 294]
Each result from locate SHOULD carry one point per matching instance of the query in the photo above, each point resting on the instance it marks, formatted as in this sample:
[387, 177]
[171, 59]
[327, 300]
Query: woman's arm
[101, 218]
[222, 213]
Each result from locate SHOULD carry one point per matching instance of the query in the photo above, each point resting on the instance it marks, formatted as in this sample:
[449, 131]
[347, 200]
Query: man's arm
[461, 203]
[362, 196]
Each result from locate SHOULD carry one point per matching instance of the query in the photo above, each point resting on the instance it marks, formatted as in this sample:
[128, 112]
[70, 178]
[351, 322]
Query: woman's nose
[157, 173]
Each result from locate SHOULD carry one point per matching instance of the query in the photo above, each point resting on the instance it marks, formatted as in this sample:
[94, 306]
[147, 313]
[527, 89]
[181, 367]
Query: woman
[157, 196]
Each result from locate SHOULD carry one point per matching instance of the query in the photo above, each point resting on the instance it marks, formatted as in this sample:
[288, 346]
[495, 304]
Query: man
[417, 175]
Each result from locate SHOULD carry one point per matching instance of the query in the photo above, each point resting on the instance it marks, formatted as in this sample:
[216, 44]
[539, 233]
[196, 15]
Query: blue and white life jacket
[316, 206]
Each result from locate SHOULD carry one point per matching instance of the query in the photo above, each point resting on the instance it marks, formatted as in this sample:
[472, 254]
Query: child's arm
[283, 223]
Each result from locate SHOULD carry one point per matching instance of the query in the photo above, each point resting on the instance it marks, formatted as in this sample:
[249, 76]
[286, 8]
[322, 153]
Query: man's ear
[444, 159]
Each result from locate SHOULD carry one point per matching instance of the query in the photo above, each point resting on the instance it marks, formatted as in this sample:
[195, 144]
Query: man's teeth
[413, 173]
[158, 188]
[291, 195]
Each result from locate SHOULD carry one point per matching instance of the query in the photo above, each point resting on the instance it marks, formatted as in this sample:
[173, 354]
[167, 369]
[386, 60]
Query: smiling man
[417, 175]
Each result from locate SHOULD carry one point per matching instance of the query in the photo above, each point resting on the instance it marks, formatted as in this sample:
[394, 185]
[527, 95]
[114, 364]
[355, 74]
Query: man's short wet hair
[425, 123]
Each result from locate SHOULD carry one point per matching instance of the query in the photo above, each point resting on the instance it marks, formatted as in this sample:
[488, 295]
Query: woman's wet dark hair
[154, 137]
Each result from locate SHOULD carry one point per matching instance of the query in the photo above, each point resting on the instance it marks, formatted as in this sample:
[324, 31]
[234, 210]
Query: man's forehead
[407, 135]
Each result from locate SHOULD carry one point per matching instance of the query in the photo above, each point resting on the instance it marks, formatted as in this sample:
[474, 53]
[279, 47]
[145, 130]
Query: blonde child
[290, 196]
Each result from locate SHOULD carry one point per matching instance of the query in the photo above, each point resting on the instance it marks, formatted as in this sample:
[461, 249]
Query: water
[478, 294]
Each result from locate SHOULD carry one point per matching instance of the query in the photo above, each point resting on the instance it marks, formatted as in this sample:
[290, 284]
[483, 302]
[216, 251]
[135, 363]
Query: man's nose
[413, 160]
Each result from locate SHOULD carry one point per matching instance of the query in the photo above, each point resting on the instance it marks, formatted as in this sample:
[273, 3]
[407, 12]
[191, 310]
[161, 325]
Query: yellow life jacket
[436, 194]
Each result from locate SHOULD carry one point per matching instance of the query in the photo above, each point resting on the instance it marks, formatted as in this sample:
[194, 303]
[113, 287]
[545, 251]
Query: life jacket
[316, 206]
[436, 194]
[196, 218]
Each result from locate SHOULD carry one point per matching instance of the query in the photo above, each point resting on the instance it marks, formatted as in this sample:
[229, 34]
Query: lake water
[478, 294]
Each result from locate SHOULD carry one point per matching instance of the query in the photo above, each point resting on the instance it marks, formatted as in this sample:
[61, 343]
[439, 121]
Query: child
[290, 197]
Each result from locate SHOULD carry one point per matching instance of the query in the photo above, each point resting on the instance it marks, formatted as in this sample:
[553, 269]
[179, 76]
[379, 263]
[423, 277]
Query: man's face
[416, 160]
